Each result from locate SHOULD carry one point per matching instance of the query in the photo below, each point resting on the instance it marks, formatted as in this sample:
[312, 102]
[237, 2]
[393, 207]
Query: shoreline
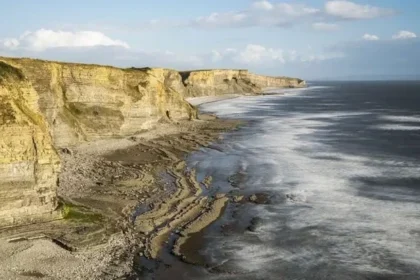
[120, 198]
[197, 101]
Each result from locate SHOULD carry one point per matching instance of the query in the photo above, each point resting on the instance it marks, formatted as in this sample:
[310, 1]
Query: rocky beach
[118, 198]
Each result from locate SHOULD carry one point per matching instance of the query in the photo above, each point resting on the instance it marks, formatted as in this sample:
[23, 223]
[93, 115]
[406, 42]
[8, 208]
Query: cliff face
[88, 102]
[275, 82]
[29, 164]
[219, 82]
[48, 105]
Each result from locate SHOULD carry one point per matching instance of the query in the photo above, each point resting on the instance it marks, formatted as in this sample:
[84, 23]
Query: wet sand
[120, 198]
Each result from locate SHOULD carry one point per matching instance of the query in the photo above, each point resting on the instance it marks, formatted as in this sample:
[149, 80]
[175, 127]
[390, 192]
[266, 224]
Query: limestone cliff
[219, 82]
[88, 102]
[49, 105]
[275, 82]
[29, 164]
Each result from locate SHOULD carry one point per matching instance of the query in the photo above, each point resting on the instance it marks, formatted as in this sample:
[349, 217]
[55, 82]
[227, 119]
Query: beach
[120, 198]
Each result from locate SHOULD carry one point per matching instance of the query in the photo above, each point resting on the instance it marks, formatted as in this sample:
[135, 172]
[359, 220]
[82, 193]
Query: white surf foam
[401, 127]
[394, 118]
[359, 230]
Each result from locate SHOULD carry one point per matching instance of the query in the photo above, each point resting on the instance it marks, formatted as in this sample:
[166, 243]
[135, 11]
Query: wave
[395, 118]
[400, 127]
[352, 210]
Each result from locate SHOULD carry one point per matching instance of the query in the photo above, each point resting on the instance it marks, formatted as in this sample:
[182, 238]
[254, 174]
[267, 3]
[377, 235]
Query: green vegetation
[80, 214]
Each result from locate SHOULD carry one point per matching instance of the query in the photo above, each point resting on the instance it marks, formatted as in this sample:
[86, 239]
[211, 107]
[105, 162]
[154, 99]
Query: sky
[311, 39]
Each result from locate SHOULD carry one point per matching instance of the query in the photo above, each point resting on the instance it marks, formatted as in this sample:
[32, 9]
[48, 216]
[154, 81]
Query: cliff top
[89, 65]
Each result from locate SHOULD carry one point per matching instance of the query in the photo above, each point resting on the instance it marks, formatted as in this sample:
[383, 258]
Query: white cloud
[272, 13]
[44, 39]
[216, 56]
[323, 26]
[321, 57]
[261, 13]
[10, 43]
[370, 37]
[349, 10]
[263, 5]
[403, 34]
[294, 9]
[221, 19]
[255, 54]
[279, 14]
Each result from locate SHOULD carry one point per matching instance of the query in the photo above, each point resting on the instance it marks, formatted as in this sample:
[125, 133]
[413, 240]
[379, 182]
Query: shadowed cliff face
[46, 105]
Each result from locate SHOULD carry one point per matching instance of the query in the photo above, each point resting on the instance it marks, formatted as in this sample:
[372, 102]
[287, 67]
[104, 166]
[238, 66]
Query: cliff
[219, 82]
[49, 105]
[88, 102]
[29, 164]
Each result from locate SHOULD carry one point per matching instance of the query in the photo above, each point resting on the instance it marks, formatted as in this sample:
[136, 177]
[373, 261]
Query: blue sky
[313, 39]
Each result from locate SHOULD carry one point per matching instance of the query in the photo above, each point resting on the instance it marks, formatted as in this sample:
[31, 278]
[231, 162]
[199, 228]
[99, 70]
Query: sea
[340, 163]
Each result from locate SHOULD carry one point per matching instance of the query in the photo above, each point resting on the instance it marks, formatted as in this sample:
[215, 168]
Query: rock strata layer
[46, 106]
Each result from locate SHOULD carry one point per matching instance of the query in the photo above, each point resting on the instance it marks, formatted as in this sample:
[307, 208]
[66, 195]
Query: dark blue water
[341, 162]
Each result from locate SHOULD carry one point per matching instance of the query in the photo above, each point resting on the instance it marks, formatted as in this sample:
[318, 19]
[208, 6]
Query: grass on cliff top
[8, 71]
[35, 60]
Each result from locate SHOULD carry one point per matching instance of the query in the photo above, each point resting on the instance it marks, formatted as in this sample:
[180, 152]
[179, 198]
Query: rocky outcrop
[29, 164]
[47, 105]
[219, 82]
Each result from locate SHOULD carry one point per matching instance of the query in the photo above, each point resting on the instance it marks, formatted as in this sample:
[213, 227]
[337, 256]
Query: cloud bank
[349, 10]
[283, 14]
[267, 13]
[43, 39]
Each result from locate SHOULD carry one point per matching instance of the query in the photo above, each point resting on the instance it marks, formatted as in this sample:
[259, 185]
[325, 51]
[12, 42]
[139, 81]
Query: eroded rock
[254, 224]
[259, 198]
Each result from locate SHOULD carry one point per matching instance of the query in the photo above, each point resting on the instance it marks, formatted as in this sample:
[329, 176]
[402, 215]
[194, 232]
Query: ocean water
[341, 163]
